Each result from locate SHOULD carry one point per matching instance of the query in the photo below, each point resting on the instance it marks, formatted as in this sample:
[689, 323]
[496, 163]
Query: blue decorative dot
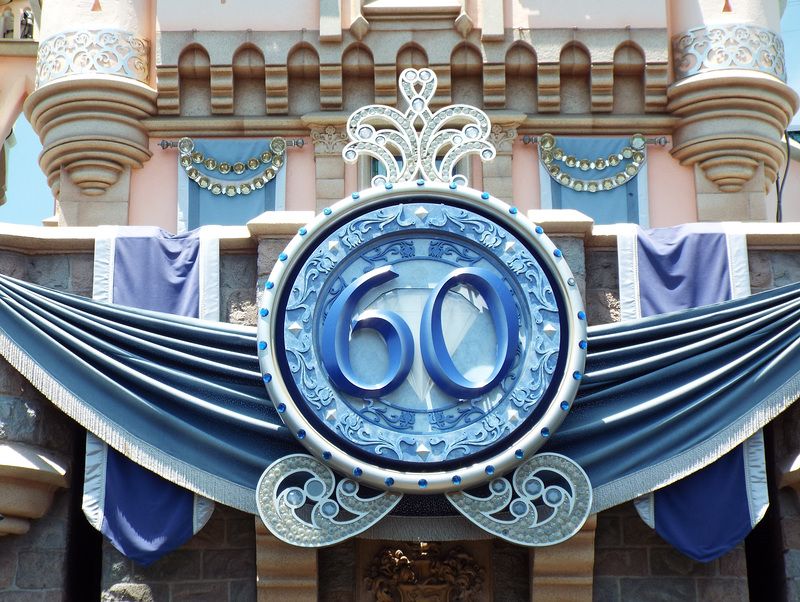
[582, 345]
[576, 375]
[357, 472]
[326, 455]
[564, 406]
[513, 210]
[388, 185]
[484, 195]
[490, 469]
[539, 230]
[355, 195]
[301, 434]
[262, 344]
[264, 312]
[283, 256]
[389, 481]
[327, 210]
[302, 231]
[453, 185]
[545, 432]
[420, 182]
[557, 253]
[281, 407]
[519, 453]
[267, 378]
[456, 480]
[269, 285]
[423, 483]
[581, 315]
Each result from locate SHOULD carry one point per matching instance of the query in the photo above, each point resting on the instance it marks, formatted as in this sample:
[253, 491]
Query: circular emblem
[421, 338]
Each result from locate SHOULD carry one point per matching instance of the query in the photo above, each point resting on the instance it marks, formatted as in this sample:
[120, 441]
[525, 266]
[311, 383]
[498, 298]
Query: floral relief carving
[502, 138]
[329, 140]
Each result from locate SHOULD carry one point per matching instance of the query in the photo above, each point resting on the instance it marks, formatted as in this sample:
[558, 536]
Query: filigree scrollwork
[418, 143]
[734, 46]
[300, 503]
[106, 51]
[421, 571]
[550, 500]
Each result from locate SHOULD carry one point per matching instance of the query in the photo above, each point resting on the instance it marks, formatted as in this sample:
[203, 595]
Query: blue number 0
[399, 340]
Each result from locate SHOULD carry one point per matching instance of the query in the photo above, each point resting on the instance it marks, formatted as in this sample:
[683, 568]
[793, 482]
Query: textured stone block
[51, 271]
[785, 268]
[240, 531]
[243, 590]
[620, 562]
[128, 592]
[14, 265]
[511, 571]
[671, 562]
[268, 251]
[336, 567]
[178, 565]
[723, 590]
[229, 564]
[602, 270]
[605, 589]
[8, 565]
[734, 563]
[609, 531]
[636, 533]
[11, 381]
[41, 569]
[760, 269]
[199, 592]
[658, 590]
[82, 274]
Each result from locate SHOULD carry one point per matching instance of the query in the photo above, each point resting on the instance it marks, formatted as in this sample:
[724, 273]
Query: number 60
[400, 342]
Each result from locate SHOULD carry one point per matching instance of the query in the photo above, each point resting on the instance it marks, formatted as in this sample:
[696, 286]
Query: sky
[29, 199]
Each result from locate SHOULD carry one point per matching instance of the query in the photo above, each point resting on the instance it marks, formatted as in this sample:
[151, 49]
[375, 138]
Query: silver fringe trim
[434, 528]
[692, 460]
[172, 469]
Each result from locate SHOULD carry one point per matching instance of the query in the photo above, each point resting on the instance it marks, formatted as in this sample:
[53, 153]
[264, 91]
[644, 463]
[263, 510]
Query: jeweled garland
[549, 153]
[272, 158]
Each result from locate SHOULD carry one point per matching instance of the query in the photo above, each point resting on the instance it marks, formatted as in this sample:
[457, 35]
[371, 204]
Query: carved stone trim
[328, 140]
[502, 138]
[421, 571]
[735, 46]
[103, 51]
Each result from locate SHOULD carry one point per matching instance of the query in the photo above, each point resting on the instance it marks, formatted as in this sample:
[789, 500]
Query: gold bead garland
[549, 153]
[272, 158]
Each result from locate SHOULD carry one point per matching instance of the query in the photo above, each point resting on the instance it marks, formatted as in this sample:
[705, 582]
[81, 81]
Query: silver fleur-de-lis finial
[418, 143]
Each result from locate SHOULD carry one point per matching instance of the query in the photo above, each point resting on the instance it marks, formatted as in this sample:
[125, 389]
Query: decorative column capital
[328, 139]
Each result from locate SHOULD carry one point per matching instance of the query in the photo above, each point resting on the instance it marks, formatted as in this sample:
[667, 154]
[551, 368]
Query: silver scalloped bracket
[549, 502]
[300, 503]
[418, 143]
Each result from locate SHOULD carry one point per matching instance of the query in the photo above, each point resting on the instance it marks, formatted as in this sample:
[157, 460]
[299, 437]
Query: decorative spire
[418, 143]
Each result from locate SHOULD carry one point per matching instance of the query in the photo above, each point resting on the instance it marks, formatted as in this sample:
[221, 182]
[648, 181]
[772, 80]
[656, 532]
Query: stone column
[497, 173]
[285, 572]
[565, 571]
[731, 96]
[93, 88]
[329, 138]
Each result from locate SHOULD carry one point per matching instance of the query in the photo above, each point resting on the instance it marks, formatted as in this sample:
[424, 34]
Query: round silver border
[440, 481]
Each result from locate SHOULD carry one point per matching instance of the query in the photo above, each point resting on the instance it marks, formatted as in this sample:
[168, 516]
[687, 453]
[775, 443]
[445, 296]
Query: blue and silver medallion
[422, 339]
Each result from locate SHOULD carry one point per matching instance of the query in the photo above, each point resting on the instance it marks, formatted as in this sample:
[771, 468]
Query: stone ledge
[28, 478]
[280, 223]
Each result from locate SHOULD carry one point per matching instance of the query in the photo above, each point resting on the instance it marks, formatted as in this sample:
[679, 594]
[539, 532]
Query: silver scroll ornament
[300, 503]
[549, 502]
[418, 143]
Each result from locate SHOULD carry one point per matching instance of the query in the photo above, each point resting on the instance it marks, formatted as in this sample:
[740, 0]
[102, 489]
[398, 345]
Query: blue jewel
[357, 472]
[564, 406]
[281, 407]
[269, 285]
[519, 453]
[453, 185]
[262, 344]
[456, 480]
[423, 483]
[581, 315]
[327, 211]
[389, 481]
[302, 231]
[388, 185]
[301, 434]
[582, 345]
[576, 375]
[545, 432]
[326, 455]
[264, 312]
[490, 469]
[283, 256]
[420, 182]
[267, 378]
[513, 210]
[539, 230]
[485, 195]
[557, 253]
[355, 195]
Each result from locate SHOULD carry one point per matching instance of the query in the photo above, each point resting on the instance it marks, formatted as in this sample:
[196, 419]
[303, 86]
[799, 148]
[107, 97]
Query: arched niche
[303, 68]
[249, 91]
[194, 82]
[575, 76]
[358, 77]
[521, 92]
[628, 79]
[466, 72]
